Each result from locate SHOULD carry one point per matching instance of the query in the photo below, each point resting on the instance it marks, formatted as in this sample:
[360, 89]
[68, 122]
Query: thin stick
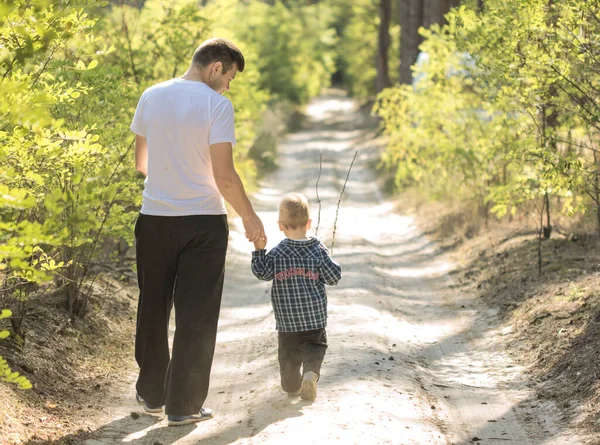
[318, 199]
[340, 200]
[540, 235]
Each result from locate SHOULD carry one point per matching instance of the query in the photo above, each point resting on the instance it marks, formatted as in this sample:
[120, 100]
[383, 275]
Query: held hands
[255, 231]
[260, 244]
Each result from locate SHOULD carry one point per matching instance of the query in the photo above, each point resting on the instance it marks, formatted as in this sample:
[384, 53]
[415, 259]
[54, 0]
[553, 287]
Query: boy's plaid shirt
[299, 270]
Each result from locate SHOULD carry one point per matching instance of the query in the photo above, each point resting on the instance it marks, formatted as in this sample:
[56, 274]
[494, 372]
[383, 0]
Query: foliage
[294, 47]
[501, 113]
[65, 177]
[6, 374]
[357, 55]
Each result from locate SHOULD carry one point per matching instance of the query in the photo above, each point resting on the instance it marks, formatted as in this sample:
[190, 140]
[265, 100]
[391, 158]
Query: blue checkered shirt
[299, 270]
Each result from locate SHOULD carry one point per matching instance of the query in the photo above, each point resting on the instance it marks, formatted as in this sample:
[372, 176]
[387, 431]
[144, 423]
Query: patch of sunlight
[437, 269]
[461, 369]
[140, 434]
[245, 313]
[384, 209]
[377, 326]
[332, 146]
[239, 335]
[320, 109]
[475, 370]
[237, 239]
[376, 223]
[268, 196]
[406, 300]
[304, 137]
[270, 191]
[353, 419]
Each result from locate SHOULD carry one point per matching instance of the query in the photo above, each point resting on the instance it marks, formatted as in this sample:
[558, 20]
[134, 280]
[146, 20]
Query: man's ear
[280, 225]
[217, 68]
[309, 224]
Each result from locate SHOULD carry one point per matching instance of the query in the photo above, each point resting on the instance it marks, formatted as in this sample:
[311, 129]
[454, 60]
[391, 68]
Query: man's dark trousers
[297, 350]
[180, 260]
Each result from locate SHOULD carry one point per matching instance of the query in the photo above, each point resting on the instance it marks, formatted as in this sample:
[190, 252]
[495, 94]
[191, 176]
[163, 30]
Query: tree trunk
[598, 215]
[548, 226]
[412, 15]
[383, 78]
[596, 191]
[550, 117]
[434, 11]
[540, 237]
[598, 219]
[452, 4]
[410, 19]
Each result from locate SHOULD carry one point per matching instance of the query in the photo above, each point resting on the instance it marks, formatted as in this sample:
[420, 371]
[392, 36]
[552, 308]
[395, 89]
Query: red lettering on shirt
[294, 271]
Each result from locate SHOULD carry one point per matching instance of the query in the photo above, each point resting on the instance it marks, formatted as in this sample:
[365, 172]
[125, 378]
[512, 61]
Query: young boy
[299, 266]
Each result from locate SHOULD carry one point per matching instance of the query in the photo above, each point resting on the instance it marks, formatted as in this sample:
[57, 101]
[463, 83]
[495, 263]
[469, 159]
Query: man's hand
[255, 231]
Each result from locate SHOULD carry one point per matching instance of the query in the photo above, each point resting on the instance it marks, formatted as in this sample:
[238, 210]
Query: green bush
[294, 47]
[502, 114]
[70, 169]
[357, 50]
[6, 374]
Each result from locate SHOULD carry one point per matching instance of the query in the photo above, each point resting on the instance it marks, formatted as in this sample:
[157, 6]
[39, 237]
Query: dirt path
[409, 362]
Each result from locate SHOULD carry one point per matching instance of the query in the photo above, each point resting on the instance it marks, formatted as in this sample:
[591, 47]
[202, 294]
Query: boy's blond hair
[294, 211]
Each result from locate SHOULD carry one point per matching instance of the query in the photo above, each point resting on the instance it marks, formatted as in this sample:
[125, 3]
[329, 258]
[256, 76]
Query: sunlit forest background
[492, 103]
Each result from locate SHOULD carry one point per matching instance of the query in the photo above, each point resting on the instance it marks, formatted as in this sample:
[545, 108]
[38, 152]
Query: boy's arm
[262, 265]
[331, 271]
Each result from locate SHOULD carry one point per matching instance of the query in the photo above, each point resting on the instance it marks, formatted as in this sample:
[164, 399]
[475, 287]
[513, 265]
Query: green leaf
[5, 313]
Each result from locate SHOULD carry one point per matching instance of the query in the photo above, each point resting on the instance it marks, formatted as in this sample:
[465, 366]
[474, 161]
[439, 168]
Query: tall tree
[410, 19]
[383, 79]
[413, 15]
[432, 12]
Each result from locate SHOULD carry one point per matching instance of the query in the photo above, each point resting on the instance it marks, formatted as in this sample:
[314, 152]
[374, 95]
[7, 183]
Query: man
[184, 140]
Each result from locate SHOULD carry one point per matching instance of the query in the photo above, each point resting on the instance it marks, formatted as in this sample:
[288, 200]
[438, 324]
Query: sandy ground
[410, 360]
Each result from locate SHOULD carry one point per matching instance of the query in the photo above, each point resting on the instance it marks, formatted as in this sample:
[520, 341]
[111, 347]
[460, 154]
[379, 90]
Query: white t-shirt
[180, 120]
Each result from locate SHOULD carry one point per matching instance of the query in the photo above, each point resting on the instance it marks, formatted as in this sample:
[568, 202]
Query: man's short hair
[219, 50]
[294, 211]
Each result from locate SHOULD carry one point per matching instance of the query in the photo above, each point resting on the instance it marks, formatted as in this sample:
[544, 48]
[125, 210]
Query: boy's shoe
[148, 408]
[294, 393]
[309, 386]
[204, 414]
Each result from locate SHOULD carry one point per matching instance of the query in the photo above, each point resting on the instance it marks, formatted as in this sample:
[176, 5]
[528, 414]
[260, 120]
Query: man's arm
[141, 154]
[231, 187]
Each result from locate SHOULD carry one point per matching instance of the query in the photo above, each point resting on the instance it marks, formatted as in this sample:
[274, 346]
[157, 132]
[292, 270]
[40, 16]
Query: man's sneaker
[148, 408]
[294, 393]
[204, 414]
[309, 386]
